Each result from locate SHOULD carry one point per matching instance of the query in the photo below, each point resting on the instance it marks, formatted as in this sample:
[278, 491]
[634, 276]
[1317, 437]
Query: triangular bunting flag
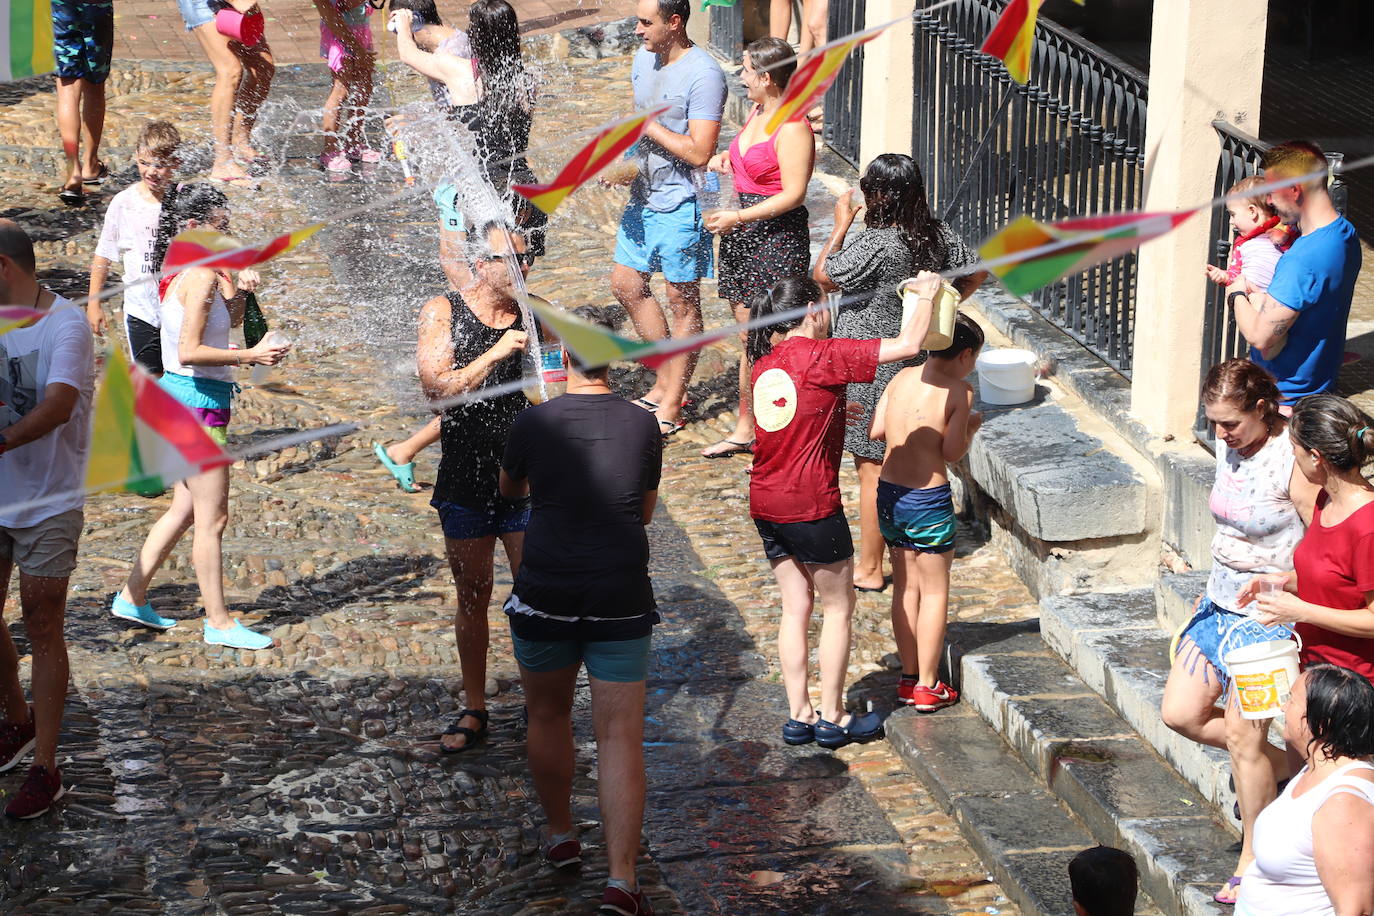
[609, 142]
[194, 244]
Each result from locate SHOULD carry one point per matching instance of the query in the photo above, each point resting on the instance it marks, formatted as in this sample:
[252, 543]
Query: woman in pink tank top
[767, 239]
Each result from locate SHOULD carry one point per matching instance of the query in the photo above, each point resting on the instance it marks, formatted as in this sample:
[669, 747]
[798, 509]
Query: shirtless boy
[926, 417]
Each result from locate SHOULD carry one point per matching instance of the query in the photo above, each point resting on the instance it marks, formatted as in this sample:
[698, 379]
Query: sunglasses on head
[522, 257]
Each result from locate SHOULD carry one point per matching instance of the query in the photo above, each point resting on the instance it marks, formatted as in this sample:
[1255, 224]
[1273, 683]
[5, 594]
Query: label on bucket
[1263, 692]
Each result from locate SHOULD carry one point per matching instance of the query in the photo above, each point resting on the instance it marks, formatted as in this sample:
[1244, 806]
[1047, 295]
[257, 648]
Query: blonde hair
[160, 138]
[1297, 159]
[1259, 201]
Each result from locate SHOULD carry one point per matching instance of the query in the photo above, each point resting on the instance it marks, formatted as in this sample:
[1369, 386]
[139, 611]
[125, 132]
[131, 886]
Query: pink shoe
[364, 154]
[335, 162]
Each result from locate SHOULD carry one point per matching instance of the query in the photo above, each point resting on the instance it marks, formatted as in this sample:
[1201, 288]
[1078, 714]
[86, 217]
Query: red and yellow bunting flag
[18, 316]
[595, 346]
[1013, 36]
[609, 142]
[815, 75]
[143, 439]
[1028, 254]
[195, 244]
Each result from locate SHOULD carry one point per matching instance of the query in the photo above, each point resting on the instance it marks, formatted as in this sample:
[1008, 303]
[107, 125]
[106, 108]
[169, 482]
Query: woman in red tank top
[767, 239]
[1330, 593]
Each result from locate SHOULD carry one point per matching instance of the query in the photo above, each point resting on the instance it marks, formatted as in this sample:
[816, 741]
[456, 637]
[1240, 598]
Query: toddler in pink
[346, 45]
[1260, 238]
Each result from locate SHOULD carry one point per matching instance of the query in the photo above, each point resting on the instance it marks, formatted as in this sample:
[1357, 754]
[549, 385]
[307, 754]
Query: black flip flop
[887, 580]
[736, 448]
[71, 197]
[100, 176]
[667, 429]
[646, 404]
[473, 736]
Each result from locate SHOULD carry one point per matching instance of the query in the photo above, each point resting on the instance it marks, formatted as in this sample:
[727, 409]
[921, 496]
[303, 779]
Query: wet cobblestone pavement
[306, 778]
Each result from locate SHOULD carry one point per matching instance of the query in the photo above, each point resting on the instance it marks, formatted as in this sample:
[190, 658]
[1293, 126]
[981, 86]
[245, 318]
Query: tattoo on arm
[1281, 327]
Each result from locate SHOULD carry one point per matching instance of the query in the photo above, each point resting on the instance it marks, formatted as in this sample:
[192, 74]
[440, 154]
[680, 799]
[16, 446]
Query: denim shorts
[622, 661]
[1202, 636]
[461, 523]
[675, 243]
[920, 520]
[196, 13]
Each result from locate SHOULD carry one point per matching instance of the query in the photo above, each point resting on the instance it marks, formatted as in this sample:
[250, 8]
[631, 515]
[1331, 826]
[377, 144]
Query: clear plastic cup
[260, 373]
[715, 191]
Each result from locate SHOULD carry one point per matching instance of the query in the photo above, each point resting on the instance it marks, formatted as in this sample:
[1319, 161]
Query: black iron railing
[1070, 143]
[727, 32]
[844, 98]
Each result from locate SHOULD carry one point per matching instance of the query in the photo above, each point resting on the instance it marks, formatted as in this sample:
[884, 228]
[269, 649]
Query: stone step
[1174, 597]
[1114, 644]
[1100, 769]
[1024, 836]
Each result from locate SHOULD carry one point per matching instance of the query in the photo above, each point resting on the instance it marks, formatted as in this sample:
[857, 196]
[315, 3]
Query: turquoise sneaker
[139, 613]
[236, 637]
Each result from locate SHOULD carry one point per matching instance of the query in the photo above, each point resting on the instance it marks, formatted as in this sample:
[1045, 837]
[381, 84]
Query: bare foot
[246, 154]
[229, 170]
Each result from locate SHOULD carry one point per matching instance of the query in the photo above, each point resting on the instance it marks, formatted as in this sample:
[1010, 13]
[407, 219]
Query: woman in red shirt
[1330, 593]
[799, 376]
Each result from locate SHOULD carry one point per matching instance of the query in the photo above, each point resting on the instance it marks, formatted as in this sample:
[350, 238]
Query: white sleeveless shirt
[1283, 880]
[216, 333]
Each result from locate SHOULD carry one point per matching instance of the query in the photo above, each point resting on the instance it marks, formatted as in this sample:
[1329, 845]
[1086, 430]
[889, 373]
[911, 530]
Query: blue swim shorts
[83, 38]
[675, 243]
[622, 661]
[920, 520]
[1202, 637]
[450, 217]
[196, 13]
[461, 523]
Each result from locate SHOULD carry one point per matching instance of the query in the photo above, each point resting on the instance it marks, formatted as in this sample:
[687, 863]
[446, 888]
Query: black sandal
[474, 737]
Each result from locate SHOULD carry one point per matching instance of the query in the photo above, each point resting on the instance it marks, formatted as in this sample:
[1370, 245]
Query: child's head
[1251, 210]
[1103, 881]
[788, 294]
[190, 206]
[962, 354]
[156, 155]
[424, 11]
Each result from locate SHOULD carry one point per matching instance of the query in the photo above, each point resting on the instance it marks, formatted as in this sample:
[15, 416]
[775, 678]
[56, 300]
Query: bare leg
[404, 452]
[684, 300]
[44, 600]
[470, 560]
[228, 74]
[906, 606]
[1257, 767]
[162, 538]
[258, 69]
[92, 126]
[69, 126]
[631, 289]
[1190, 697]
[744, 425]
[210, 508]
[333, 110]
[780, 18]
[549, 741]
[618, 719]
[932, 574]
[868, 570]
[794, 581]
[817, 16]
[360, 86]
[835, 586]
[16, 708]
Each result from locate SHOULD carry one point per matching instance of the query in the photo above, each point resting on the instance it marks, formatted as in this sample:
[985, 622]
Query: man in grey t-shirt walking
[662, 229]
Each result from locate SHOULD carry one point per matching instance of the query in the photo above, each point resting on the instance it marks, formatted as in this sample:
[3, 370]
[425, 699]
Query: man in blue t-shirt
[1296, 329]
[662, 229]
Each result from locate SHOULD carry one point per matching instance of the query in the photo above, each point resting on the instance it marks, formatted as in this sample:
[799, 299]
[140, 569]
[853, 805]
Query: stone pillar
[1195, 78]
[699, 26]
[888, 82]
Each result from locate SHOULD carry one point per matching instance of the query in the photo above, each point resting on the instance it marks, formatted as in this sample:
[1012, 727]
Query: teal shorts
[920, 520]
[622, 661]
[675, 243]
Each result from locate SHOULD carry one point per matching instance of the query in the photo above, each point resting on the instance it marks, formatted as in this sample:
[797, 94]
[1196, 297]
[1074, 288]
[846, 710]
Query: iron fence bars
[727, 32]
[844, 98]
[1069, 143]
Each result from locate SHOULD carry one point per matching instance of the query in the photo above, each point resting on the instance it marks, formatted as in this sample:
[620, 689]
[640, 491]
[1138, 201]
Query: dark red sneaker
[929, 699]
[15, 742]
[563, 853]
[615, 900]
[906, 691]
[37, 794]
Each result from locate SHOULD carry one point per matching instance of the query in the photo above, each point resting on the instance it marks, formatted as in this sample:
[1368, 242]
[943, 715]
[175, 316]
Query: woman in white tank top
[1314, 845]
[198, 308]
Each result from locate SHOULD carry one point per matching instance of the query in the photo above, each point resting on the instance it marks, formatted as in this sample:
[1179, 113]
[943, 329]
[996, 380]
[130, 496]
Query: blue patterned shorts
[83, 38]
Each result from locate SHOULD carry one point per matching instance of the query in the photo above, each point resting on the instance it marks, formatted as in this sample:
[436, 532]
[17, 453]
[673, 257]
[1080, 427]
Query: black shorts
[820, 542]
[145, 343]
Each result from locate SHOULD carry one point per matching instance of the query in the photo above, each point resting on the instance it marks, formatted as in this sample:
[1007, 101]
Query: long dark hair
[1340, 431]
[494, 30]
[1340, 711]
[787, 294]
[181, 204]
[895, 195]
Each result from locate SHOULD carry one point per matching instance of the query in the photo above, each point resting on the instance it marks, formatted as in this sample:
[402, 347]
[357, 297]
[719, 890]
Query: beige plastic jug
[943, 312]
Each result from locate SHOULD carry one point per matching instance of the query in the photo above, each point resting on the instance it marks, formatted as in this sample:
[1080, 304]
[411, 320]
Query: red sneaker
[906, 691]
[15, 742]
[929, 699]
[564, 853]
[37, 793]
[615, 900]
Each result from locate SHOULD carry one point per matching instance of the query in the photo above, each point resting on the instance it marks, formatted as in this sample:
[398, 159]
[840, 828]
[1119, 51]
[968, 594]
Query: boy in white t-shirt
[1260, 238]
[127, 237]
[46, 382]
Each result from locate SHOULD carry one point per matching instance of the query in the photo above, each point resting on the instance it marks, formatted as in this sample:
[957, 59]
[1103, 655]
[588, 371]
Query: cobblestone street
[306, 778]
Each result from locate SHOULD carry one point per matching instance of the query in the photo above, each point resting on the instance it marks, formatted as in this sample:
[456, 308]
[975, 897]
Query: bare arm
[877, 427]
[908, 344]
[197, 294]
[56, 408]
[1303, 493]
[694, 147]
[95, 312]
[434, 359]
[1263, 322]
[967, 285]
[646, 512]
[1343, 847]
[963, 423]
[511, 488]
[796, 158]
[453, 72]
[845, 212]
[1275, 607]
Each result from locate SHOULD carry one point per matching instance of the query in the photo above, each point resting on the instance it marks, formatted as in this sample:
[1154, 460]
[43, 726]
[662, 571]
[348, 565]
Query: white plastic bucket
[1262, 673]
[942, 314]
[1006, 377]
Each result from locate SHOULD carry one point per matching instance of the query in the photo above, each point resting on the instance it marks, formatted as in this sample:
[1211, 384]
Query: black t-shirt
[473, 435]
[585, 566]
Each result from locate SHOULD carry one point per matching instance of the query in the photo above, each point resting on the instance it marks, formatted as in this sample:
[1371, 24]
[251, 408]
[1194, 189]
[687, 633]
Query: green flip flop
[404, 473]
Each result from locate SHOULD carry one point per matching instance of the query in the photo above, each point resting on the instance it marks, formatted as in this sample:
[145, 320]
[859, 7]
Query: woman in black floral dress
[767, 238]
[900, 239]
